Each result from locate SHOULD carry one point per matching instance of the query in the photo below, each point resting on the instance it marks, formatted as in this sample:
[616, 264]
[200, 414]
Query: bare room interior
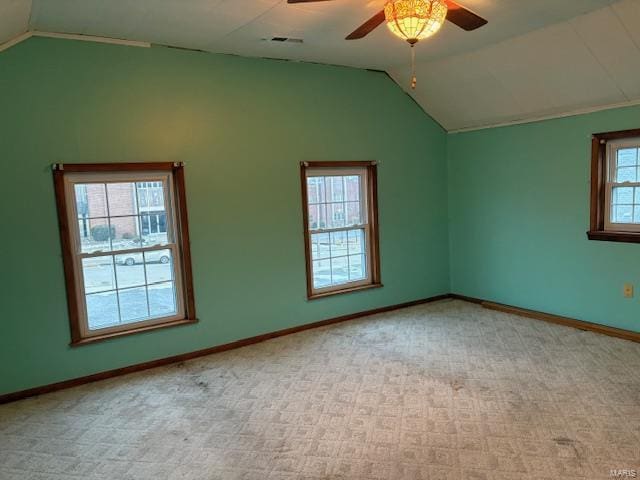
[320, 239]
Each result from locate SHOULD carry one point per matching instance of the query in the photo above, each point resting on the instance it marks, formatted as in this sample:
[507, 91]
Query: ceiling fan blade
[367, 27]
[465, 19]
[305, 1]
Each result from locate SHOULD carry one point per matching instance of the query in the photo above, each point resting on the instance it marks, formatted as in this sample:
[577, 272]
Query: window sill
[606, 236]
[344, 290]
[131, 331]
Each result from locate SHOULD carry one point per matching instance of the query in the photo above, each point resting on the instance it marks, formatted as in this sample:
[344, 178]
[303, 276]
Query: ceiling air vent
[284, 40]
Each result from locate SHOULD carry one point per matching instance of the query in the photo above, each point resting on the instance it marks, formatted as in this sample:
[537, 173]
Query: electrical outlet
[628, 290]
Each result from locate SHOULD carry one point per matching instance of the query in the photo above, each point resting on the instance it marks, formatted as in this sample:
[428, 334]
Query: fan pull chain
[414, 80]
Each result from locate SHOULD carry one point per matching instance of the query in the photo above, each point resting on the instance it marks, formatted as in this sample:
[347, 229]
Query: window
[615, 186]
[125, 248]
[340, 225]
[154, 223]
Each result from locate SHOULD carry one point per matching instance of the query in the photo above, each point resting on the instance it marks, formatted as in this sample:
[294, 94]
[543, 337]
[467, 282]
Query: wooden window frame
[600, 228]
[373, 252]
[185, 288]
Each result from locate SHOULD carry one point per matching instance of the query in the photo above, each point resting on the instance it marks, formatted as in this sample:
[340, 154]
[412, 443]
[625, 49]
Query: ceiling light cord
[414, 80]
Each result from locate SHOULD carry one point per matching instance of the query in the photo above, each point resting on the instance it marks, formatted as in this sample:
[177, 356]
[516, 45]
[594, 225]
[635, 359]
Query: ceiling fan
[414, 20]
[456, 14]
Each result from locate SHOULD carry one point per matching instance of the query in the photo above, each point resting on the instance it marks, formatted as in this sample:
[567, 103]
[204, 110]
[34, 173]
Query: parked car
[154, 256]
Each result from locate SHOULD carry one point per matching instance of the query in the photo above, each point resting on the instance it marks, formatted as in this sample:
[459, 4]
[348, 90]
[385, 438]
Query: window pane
[338, 242]
[162, 223]
[353, 213]
[627, 174]
[143, 197]
[339, 270]
[130, 270]
[125, 233]
[91, 201]
[315, 190]
[356, 241]
[314, 217]
[637, 195]
[321, 273]
[336, 215]
[357, 270]
[623, 195]
[320, 246]
[83, 229]
[122, 199]
[352, 187]
[636, 214]
[335, 192]
[150, 195]
[156, 199]
[99, 235]
[145, 224]
[98, 275]
[154, 229]
[627, 157]
[322, 216]
[622, 214]
[322, 189]
[102, 310]
[159, 266]
[162, 300]
[133, 304]
[312, 190]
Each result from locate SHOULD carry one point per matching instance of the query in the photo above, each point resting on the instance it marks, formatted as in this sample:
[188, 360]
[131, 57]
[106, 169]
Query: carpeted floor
[441, 391]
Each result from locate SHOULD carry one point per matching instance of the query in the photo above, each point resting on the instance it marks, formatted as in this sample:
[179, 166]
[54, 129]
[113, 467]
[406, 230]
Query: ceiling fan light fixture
[414, 20]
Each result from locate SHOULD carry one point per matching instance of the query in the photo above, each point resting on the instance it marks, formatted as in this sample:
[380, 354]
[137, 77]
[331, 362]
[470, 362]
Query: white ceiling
[534, 58]
[587, 62]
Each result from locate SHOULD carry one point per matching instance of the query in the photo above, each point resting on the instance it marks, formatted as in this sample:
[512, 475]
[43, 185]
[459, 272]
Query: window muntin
[622, 193]
[339, 228]
[125, 273]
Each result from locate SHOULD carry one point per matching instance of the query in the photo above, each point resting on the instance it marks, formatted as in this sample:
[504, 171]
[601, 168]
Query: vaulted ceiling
[534, 59]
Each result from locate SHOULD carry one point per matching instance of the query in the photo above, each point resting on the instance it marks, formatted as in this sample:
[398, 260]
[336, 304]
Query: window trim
[610, 184]
[78, 331]
[371, 205]
[599, 224]
[364, 202]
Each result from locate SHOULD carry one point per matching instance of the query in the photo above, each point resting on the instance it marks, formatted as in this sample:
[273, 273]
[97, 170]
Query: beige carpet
[441, 391]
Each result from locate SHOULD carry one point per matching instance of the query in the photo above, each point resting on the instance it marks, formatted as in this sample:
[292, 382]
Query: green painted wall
[517, 196]
[242, 126]
[519, 210]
